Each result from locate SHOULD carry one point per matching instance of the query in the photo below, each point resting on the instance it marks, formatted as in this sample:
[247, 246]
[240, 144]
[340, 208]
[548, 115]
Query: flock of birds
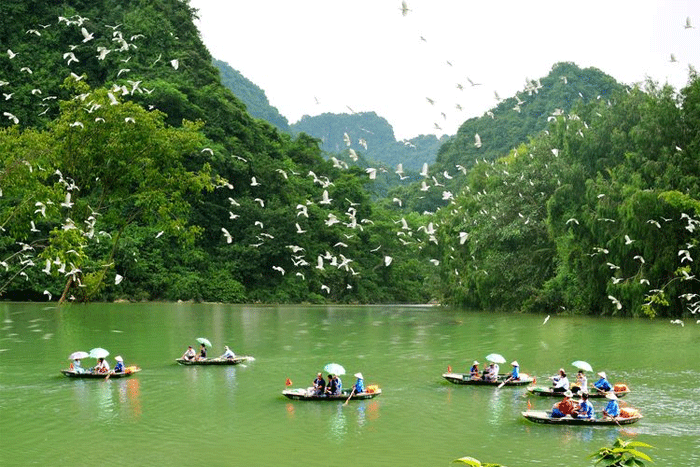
[337, 256]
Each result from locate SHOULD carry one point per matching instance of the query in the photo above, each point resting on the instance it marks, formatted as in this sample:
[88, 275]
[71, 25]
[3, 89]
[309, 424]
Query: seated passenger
[101, 367]
[581, 384]
[202, 353]
[585, 408]
[228, 353]
[492, 374]
[332, 386]
[563, 407]
[319, 385]
[75, 366]
[560, 382]
[474, 371]
[189, 354]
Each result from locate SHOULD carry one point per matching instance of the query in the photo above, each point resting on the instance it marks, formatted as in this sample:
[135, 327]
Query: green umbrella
[204, 340]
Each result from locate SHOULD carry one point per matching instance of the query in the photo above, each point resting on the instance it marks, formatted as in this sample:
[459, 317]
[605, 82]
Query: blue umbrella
[334, 369]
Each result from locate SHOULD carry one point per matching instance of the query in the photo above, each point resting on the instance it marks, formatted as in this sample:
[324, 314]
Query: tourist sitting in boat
[515, 374]
[612, 409]
[359, 385]
[338, 384]
[474, 371]
[101, 367]
[492, 374]
[319, 385]
[581, 384]
[202, 353]
[189, 354]
[602, 384]
[585, 408]
[563, 407]
[332, 386]
[228, 353]
[75, 366]
[560, 382]
[119, 367]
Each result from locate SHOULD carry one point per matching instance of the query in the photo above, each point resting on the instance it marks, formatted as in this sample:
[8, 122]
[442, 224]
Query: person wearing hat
[320, 384]
[564, 407]
[560, 382]
[119, 367]
[602, 384]
[585, 408]
[612, 409]
[189, 354]
[359, 385]
[515, 374]
[228, 353]
[474, 371]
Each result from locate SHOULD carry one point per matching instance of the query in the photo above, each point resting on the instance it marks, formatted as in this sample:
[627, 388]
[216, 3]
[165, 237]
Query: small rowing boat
[128, 371]
[547, 391]
[465, 378]
[216, 361]
[541, 416]
[308, 394]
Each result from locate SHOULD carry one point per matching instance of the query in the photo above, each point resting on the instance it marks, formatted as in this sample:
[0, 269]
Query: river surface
[209, 416]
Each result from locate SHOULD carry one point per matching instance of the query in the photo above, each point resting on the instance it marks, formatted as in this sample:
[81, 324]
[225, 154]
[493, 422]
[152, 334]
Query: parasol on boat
[204, 340]
[334, 369]
[79, 355]
[98, 352]
[495, 358]
[581, 365]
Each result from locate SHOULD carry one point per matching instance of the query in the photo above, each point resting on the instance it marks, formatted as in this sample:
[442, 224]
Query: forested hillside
[129, 171]
[251, 95]
[596, 215]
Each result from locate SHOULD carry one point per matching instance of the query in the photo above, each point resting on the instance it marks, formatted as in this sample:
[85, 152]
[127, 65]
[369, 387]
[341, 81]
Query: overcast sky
[316, 56]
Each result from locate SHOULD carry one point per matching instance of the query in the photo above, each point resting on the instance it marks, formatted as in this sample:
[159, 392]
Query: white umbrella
[204, 340]
[98, 352]
[334, 369]
[495, 358]
[79, 355]
[581, 365]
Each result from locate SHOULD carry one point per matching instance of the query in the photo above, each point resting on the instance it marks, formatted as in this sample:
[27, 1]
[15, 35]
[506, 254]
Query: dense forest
[129, 171]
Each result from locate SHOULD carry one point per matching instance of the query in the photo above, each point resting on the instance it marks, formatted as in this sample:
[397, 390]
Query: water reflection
[337, 425]
[129, 396]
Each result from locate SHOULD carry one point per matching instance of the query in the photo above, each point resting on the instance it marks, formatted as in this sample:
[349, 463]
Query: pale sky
[364, 54]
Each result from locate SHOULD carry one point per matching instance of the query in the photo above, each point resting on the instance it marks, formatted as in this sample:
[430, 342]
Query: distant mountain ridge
[366, 132]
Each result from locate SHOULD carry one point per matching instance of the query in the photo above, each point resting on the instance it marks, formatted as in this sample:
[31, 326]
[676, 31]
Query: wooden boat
[216, 361]
[128, 371]
[307, 394]
[593, 394]
[541, 416]
[465, 378]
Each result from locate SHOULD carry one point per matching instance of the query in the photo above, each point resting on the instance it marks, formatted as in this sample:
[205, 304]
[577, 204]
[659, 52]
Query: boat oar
[351, 394]
[504, 382]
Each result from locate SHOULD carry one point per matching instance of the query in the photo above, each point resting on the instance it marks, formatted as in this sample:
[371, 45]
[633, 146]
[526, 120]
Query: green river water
[210, 416]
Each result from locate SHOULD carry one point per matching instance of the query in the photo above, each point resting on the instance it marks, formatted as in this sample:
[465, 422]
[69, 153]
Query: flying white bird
[118, 279]
[545, 320]
[687, 24]
[628, 240]
[424, 170]
[279, 268]
[388, 260]
[87, 36]
[229, 239]
[325, 199]
[175, 63]
[404, 9]
[477, 140]
[67, 203]
[615, 302]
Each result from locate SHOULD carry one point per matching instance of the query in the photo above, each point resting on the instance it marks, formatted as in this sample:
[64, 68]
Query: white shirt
[562, 383]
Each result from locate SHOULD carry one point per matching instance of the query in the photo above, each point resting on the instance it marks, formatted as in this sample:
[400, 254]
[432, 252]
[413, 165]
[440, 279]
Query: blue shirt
[359, 386]
[516, 373]
[602, 384]
[586, 409]
[119, 367]
[612, 409]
